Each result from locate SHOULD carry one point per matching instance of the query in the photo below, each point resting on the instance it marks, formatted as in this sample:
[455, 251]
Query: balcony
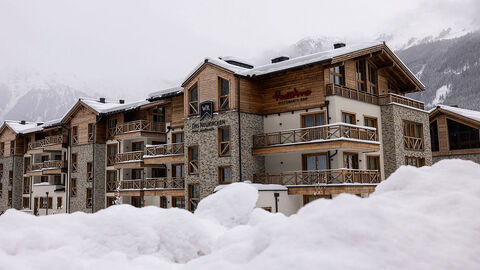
[112, 186]
[413, 143]
[153, 187]
[129, 159]
[138, 128]
[390, 98]
[49, 143]
[333, 136]
[46, 168]
[333, 181]
[164, 153]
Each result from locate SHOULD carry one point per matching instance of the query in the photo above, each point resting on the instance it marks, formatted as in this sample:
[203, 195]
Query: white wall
[287, 204]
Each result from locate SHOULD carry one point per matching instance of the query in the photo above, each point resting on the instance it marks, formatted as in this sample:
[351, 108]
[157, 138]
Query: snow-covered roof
[18, 127]
[165, 93]
[474, 115]
[112, 106]
[47, 124]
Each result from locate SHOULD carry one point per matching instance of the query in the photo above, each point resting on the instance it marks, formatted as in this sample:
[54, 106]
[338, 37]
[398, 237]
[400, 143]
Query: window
[163, 202]
[350, 160]
[372, 80]
[413, 135]
[159, 172]
[73, 187]
[223, 93]
[178, 170]
[111, 181]
[313, 119]
[75, 135]
[348, 118]
[44, 201]
[12, 148]
[415, 161]
[193, 100]
[26, 202]
[193, 160]
[224, 141]
[370, 122]
[2, 148]
[137, 202]
[225, 175]
[461, 136]
[112, 123]
[177, 137]
[26, 185]
[89, 198]
[178, 202]
[111, 201]
[111, 152]
[137, 146]
[89, 171]
[10, 178]
[45, 158]
[91, 132]
[337, 75]
[59, 202]
[373, 163]
[360, 75]
[434, 136]
[159, 115]
[74, 163]
[57, 179]
[137, 174]
[315, 162]
[194, 196]
[10, 198]
[43, 179]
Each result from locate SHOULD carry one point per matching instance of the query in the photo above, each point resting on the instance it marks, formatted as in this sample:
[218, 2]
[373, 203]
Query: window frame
[377, 162]
[334, 74]
[359, 64]
[220, 96]
[73, 187]
[221, 175]
[193, 201]
[419, 161]
[88, 198]
[75, 136]
[305, 156]
[344, 117]
[313, 114]
[224, 147]
[193, 110]
[193, 162]
[356, 161]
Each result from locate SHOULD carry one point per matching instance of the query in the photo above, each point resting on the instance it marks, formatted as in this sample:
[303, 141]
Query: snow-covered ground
[425, 218]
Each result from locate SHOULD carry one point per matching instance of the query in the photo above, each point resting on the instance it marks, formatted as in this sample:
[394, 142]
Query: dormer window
[193, 100]
[337, 75]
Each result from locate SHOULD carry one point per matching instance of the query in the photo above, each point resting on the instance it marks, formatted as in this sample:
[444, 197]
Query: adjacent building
[300, 129]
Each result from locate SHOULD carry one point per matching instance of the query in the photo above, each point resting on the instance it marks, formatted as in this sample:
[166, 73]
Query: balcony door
[315, 162]
[313, 119]
[350, 160]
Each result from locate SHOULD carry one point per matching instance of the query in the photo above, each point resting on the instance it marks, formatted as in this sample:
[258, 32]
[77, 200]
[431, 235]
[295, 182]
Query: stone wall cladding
[207, 140]
[394, 152]
[17, 183]
[471, 157]
[85, 155]
[17, 186]
[7, 165]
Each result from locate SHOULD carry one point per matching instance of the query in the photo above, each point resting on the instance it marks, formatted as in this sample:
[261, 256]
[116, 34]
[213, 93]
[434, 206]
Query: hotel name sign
[291, 96]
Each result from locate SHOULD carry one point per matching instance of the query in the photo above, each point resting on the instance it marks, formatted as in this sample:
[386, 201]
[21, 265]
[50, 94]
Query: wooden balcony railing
[326, 132]
[164, 149]
[129, 156]
[339, 90]
[413, 143]
[112, 186]
[394, 98]
[54, 164]
[139, 125]
[110, 160]
[35, 167]
[153, 183]
[325, 177]
[50, 140]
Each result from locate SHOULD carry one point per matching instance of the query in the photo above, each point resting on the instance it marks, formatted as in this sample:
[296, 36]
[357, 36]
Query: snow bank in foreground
[425, 218]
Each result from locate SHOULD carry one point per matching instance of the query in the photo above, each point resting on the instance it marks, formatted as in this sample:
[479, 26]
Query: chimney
[121, 101]
[39, 123]
[22, 122]
[102, 100]
[338, 45]
[280, 59]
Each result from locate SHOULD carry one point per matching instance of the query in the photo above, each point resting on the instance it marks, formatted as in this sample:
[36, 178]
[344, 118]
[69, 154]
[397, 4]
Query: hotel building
[315, 126]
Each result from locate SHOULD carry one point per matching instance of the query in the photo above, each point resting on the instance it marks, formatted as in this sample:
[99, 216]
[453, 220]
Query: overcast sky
[127, 48]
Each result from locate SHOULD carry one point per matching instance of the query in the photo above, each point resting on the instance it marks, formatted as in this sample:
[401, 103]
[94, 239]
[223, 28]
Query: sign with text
[206, 109]
[291, 96]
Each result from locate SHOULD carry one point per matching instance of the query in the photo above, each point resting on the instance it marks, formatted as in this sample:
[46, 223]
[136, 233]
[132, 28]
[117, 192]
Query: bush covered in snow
[425, 218]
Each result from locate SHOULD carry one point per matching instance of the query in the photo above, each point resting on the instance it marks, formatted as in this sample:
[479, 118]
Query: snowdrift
[425, 218]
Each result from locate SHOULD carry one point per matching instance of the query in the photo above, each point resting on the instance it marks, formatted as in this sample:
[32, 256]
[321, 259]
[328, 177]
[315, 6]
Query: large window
[177, 137]
[193, 100]
[137, 174]
[415, 161]
[159, 172]
[111, 181]
[372, 80]
[224, 141]
[461, 136]
[337, 75]
[178, 202]
[314, 162]
[434, 136]
[194, 196]
[178, 170]
[313, 119]
[137, 146]
[223, 94]
[193, 160]
[159, 115]
[111, 152]
[370, 122]
[350, 160]
[224, 174]
[413, 135]
[360, 75]
[373, 163]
